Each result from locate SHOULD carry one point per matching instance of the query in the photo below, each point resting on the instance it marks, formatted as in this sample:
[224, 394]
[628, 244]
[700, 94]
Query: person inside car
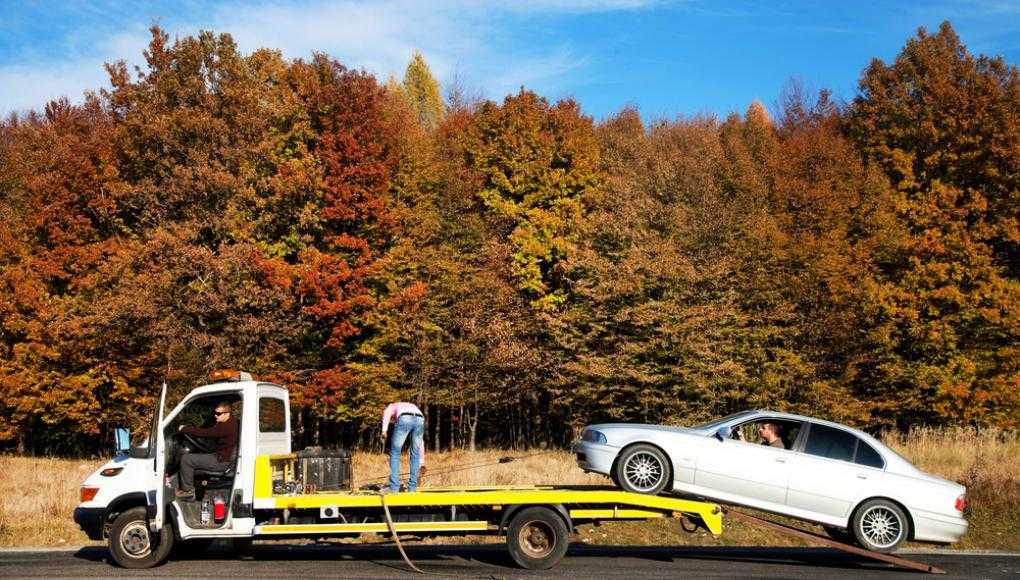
[771, 434]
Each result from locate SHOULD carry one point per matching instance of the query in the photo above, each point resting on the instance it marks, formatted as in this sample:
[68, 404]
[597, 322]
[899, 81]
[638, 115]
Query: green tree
[536, 164]
[943, 125]
[422, 91]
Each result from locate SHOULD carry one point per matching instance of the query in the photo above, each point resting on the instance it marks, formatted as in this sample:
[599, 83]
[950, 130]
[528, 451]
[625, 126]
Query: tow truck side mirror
[723, 434]
[122, 439]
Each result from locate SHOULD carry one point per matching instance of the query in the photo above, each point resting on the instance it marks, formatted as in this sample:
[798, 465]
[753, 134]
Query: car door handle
[780, 460]
[861, 476]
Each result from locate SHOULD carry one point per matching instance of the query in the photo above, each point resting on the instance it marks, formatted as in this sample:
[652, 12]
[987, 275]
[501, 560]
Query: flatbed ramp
[536, 519]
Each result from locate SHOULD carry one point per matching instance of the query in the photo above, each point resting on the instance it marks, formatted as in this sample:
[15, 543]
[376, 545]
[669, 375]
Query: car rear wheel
[880, 525]
[642, 469]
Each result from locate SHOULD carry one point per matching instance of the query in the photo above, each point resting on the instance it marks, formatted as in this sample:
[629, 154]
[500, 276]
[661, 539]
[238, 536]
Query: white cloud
[468, 38]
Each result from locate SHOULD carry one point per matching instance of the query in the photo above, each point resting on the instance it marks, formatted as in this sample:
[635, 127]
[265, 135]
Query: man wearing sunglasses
[224, 432]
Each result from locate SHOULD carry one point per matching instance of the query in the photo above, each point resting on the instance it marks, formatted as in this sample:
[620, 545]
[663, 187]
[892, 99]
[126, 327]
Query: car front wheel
[642, 469]
[880, 525]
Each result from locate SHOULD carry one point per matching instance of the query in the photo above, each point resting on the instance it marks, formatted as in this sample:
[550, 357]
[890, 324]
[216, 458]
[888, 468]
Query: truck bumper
[91, 521]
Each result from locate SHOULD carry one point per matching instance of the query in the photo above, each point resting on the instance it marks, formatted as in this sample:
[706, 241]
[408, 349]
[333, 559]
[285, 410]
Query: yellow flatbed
[482, 509]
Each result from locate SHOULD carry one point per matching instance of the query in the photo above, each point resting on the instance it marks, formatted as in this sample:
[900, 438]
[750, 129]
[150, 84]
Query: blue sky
[667, 58]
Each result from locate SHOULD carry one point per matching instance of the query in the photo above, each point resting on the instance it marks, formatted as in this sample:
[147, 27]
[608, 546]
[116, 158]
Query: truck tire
[537, 538]
[133, 546]
[879, 525]
[642, 469]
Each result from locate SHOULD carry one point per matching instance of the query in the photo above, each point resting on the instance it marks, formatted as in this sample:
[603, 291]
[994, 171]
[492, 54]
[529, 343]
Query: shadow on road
[441, 558]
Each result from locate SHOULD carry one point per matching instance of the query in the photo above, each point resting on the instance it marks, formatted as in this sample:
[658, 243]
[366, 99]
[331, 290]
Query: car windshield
[716, 423]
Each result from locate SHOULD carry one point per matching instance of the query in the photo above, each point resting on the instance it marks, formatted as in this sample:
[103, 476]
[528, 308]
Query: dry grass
[988, 463]
[38, 500]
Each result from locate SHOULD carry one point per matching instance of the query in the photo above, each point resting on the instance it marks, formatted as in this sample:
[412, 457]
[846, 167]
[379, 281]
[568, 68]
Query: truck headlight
[593, 436]
[88, 493]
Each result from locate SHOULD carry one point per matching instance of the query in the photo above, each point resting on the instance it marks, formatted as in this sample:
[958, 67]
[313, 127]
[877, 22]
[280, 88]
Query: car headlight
[593, 436]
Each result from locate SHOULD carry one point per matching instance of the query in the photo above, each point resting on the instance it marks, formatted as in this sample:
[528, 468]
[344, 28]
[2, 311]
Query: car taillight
[961, 503]
[88, 493]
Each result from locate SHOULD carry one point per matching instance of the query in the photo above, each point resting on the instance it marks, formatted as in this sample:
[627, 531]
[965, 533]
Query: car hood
[643, 427]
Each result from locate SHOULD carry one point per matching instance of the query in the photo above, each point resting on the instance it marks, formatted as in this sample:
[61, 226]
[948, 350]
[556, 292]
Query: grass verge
[41, 493]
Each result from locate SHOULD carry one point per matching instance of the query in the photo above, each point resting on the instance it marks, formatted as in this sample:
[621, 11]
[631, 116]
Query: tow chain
[393, 532]
[470, 465]
[389, 519]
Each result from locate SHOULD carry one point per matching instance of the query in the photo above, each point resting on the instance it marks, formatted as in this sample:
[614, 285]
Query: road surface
[491, 561]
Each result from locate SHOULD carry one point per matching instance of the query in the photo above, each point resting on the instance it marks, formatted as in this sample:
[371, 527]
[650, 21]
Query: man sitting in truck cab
[225, 432]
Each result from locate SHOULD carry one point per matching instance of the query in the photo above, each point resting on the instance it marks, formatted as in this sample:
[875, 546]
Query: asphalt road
[491, 561]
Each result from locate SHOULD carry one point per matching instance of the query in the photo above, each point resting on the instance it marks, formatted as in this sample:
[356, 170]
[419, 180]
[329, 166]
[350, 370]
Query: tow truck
[271, 492]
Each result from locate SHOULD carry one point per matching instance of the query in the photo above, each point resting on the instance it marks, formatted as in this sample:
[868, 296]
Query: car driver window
[776, 433]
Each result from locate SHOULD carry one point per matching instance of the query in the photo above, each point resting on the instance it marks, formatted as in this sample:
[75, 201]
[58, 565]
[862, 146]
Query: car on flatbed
[822, 472]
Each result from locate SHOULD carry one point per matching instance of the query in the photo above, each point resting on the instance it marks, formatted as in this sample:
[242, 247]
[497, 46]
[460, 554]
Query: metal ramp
[826, 541]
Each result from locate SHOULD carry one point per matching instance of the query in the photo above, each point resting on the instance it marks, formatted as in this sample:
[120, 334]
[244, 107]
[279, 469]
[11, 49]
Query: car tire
[880, 525]
[643, 469]
[537, 538]
[839, 534]
[133, 546]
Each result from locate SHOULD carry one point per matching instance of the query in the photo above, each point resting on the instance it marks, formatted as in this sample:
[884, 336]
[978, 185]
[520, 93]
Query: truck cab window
[271, 415]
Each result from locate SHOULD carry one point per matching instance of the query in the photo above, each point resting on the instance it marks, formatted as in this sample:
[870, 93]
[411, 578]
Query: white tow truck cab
[270, 492]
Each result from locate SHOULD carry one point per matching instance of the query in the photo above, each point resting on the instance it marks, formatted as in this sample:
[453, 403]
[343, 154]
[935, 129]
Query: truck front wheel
[537, 538]
[133, 546]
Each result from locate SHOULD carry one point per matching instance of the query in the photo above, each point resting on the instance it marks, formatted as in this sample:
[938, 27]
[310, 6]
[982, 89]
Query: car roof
[795, 417]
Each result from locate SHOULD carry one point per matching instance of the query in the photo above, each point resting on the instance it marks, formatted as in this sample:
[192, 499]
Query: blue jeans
[415, 427]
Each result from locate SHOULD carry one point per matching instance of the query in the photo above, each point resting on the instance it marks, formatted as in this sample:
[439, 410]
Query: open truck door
[158, 499]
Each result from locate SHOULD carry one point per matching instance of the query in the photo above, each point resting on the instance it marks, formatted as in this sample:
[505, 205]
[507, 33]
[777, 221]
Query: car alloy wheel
[881, 526]
[643, 471]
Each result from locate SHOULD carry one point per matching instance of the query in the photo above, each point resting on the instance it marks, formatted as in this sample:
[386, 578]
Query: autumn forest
[515, 267]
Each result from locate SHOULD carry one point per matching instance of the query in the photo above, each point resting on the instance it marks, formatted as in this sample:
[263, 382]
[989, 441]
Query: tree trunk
[435, 425]
[452, 430]
[474, 428]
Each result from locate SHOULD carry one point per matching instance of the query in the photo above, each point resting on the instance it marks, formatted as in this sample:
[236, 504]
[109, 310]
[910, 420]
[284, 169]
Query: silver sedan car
[796, 466]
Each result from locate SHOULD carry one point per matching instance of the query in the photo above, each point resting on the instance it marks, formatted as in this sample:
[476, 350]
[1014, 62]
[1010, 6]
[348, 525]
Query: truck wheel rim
[537, 539]
[134, 538]
[643, 471]
[881, 526]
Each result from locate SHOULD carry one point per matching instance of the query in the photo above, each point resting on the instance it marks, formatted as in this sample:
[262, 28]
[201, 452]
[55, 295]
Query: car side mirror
[122, 439]
[723, 433]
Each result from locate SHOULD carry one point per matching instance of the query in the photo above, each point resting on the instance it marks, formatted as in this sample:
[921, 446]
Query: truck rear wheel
[537, 538]
[133, 546]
